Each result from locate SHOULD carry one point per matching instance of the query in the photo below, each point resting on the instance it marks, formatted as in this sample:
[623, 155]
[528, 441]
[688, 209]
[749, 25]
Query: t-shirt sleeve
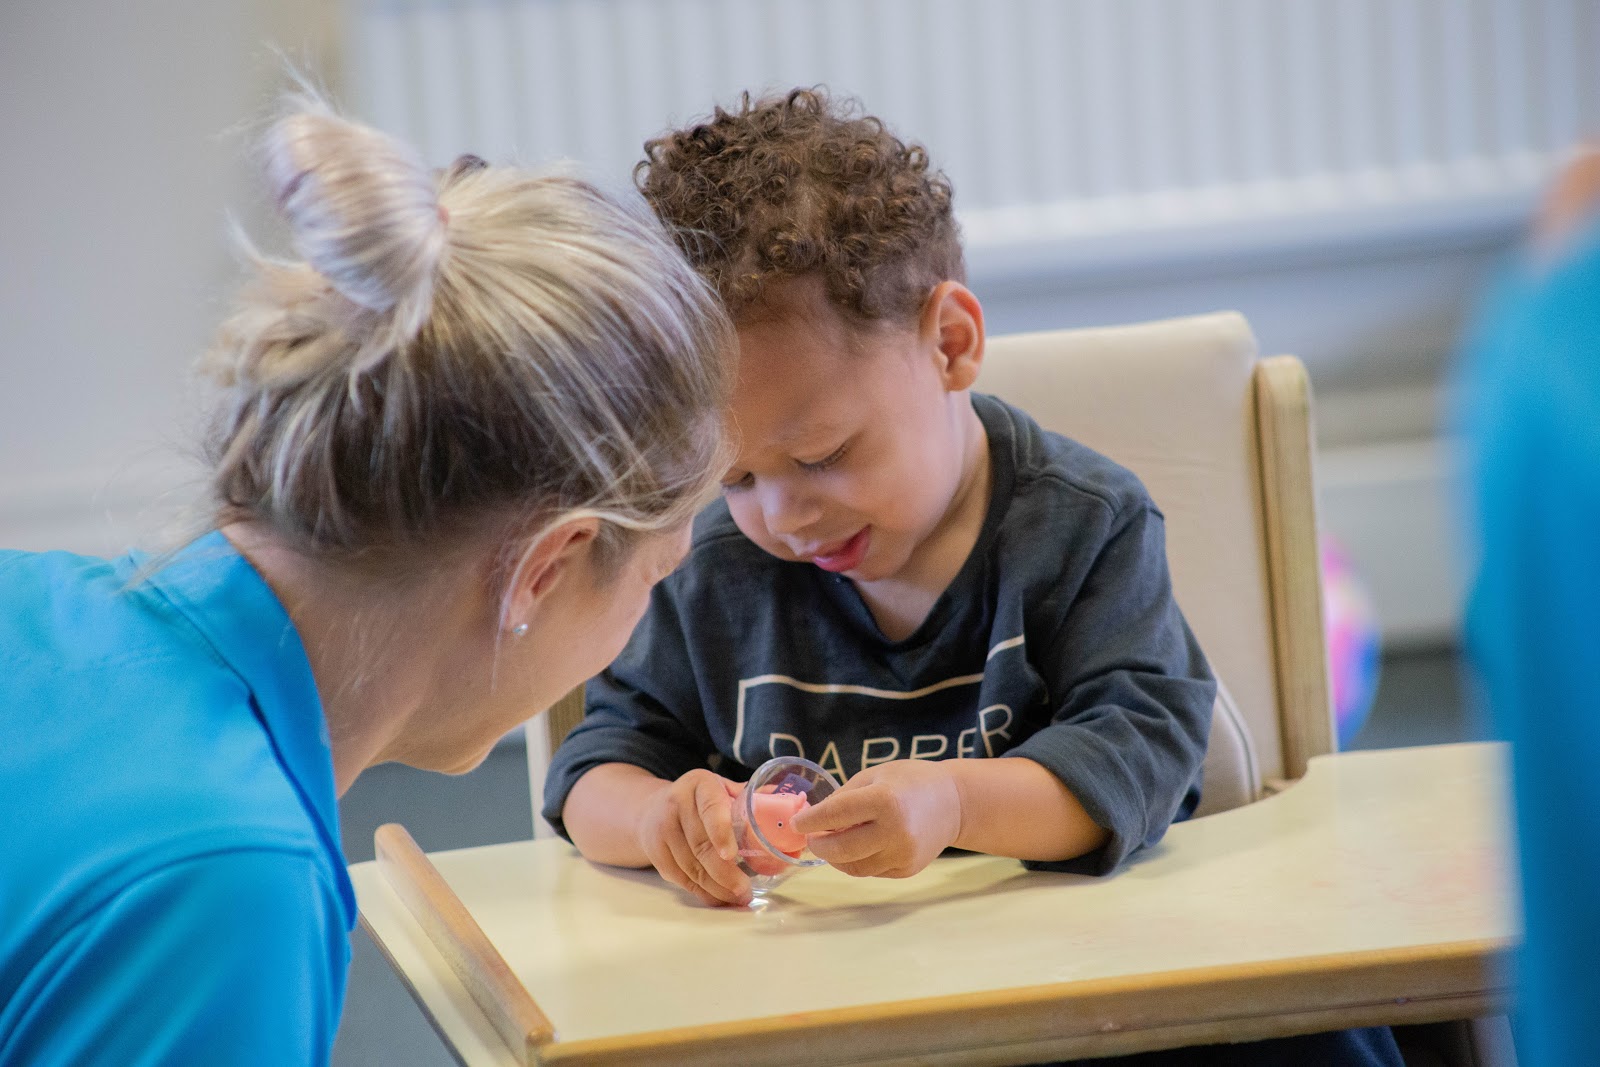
[235, 958]
[642, 710]
[1131, 694]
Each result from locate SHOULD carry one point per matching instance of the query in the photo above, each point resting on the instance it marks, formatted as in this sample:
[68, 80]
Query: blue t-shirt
[171, 884]
[1530, 409]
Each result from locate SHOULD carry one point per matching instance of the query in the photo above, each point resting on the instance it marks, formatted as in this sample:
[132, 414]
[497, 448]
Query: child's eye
[827, 461]
[742, 482]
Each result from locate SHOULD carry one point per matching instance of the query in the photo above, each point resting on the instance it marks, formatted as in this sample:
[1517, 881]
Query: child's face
[853, 440]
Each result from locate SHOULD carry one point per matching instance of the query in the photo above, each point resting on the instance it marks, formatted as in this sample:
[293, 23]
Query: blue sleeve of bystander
[1530, 413]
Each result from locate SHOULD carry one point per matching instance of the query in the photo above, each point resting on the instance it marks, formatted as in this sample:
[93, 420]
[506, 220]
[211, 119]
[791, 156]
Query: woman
[1528, 410]
[460, 439]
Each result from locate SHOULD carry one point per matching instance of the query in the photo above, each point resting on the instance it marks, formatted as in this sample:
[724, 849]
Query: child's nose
[786, 508]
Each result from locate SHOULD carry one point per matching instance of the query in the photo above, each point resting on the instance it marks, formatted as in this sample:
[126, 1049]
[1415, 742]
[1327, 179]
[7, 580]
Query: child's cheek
[747, 516]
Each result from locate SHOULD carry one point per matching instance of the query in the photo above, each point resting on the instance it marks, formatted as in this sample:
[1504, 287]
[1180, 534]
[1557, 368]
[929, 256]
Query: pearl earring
[520, 630]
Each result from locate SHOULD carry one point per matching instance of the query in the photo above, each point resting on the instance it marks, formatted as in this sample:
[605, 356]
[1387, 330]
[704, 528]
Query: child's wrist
[647, 814]
[963, 802]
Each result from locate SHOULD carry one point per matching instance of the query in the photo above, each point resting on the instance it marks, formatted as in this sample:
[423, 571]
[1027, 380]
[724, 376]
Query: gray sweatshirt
[1058, 641]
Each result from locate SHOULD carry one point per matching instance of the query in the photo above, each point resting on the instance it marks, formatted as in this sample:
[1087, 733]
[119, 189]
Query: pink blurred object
[773, 813]
[1351, 624]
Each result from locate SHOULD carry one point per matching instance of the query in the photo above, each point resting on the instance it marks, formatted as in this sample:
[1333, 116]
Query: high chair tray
[1377, 890]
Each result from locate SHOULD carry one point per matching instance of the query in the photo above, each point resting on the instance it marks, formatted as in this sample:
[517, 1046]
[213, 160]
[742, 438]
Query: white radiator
[1073, 129]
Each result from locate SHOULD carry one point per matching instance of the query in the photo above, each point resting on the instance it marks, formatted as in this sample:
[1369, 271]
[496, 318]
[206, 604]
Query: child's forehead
[808, 425]
[795, 306]
[816, 338]
[790, 403]
[802, 303]
[808, 372]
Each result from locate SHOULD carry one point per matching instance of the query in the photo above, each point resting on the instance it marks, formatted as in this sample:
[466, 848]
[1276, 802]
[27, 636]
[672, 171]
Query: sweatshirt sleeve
[1131, 695]
[642, 710]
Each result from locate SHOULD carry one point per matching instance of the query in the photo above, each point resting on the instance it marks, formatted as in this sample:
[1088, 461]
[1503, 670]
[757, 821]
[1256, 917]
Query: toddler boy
[968, 620]
[904, 579]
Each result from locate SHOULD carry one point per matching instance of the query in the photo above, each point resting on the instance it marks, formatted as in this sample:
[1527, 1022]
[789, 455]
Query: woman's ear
[541, 566]
[952, 320]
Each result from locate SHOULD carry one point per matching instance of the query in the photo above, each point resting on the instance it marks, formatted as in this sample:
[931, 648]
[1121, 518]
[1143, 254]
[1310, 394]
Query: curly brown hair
[805, 185]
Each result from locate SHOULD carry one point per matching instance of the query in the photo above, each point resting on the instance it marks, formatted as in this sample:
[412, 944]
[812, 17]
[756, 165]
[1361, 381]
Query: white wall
[1344, 172]
[124, 130]
[121, 131]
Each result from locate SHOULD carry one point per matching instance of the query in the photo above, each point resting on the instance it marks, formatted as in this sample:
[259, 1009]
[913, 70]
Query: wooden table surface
[1375, 890]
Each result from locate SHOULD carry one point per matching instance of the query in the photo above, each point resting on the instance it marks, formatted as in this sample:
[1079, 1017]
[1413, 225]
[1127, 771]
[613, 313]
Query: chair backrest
[544, 732]
[1222, 441]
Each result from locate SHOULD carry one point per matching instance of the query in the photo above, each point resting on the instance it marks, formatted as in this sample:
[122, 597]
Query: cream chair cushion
[1173, 402]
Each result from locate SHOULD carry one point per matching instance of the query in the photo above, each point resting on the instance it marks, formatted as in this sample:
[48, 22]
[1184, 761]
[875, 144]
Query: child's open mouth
[847, 556]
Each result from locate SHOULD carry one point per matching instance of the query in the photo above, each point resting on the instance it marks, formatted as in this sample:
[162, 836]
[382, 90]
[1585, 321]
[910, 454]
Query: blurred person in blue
[462, 433]
[1529, 409]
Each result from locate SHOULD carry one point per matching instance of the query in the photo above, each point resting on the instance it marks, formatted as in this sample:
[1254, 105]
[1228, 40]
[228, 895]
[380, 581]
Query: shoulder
[1053, 472]
[138, 803]
[285, 889]
[35, 582]
[245, 951]
[68, 613]
[127, 727]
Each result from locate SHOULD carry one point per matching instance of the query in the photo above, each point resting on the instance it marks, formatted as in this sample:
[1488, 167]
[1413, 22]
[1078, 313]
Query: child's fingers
[666, 865]
[846, 808]
[711, 869]
[871, 867]
[710, 866]
[846, 847]
[710, 819]
[675, 875]
[715, 805]
[698, 880]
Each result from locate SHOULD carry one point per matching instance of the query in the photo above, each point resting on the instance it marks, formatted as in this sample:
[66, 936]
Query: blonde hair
[478, 345]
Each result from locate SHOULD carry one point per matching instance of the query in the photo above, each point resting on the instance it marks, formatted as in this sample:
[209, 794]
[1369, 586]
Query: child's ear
[952, 320]
[539, 567]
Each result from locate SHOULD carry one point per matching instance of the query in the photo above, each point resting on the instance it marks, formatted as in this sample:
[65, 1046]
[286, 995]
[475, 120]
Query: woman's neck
[372, 662]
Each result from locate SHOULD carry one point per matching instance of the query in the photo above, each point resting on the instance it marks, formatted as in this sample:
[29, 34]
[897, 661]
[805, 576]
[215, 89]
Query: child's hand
[889, 821]
[686, 831]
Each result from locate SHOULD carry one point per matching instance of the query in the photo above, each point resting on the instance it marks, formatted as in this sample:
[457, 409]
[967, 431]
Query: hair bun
[363, 210]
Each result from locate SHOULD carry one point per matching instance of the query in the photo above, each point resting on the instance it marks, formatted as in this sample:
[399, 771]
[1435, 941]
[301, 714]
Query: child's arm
[1131, 692]
[630, 785]
[625, 816]
[893, 819]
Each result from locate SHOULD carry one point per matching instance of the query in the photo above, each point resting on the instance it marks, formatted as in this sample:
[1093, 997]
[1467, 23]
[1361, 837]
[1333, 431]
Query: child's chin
[872, 569]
